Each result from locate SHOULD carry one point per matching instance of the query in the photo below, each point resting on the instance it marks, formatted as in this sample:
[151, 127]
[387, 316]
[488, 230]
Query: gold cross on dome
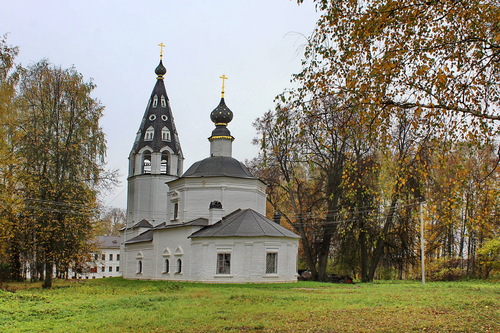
[161, 45]
[223, 77]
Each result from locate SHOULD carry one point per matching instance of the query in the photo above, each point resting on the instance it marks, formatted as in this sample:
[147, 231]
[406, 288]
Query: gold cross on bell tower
[223, 77]
[161, 45]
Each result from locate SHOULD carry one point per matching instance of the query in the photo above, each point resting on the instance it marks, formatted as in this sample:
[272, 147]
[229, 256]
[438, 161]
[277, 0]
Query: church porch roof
[146, 236]
[244, 223]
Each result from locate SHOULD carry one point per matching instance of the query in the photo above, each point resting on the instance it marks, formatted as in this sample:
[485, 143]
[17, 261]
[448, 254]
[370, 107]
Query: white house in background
[105, 262]
[205, 225]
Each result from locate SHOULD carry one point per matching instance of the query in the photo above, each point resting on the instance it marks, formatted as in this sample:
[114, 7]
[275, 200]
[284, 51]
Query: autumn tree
[441, 56]
[383, 83]
[306, 148]
[463, 202]
[110, 223]
[9, 194]
[62, 151]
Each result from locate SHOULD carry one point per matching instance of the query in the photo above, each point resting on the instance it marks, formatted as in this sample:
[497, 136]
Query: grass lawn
[117, 305]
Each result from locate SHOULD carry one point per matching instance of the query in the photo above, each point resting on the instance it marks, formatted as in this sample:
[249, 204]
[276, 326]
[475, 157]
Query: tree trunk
[378, 252]
[47, 282]
[363, 253]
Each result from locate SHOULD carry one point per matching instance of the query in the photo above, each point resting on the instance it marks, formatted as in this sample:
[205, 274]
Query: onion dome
[160, 70]
[221, 114]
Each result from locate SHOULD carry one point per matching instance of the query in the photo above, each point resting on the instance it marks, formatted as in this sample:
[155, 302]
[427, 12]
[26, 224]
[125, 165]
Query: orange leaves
[436, 51]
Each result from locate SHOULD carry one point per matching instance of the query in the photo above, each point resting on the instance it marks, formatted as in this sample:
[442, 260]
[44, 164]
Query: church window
[271, 263]
[164, 117]
[165, 134]
[223, 263]
[152, 117]
[146, 162]
[155, 101]
[164, 163]
[166, 269]
[176, 210]
[148, 136]
[139, 266]
[163, 102]
[179, 266]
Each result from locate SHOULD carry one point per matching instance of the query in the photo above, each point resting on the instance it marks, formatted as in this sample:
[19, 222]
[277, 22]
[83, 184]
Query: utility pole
[422, 242]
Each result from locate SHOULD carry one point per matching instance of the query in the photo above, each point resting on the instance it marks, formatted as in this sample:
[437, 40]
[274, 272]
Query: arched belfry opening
[165, 163]
[146, 162]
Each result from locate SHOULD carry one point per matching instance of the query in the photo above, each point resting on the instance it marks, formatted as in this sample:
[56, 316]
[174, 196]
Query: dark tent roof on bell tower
[157, 128]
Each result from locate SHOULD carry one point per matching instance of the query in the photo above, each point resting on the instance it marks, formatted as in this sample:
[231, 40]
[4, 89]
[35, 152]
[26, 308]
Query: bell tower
[156, 157]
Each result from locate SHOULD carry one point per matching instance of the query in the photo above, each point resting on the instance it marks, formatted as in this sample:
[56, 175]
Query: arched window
[165, 134]
[164, 163]
[176, 210]
[179, 266]
[139, 267]
[163, 102]
[150, 132]
[146, 162]
[155, 101]
[167, 266]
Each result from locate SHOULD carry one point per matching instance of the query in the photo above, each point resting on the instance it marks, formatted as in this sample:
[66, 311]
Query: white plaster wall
[174, 244]
[248, 259]
[131, 256]
[147, 197]
[195, 194]
[221, 147]
[199, 258]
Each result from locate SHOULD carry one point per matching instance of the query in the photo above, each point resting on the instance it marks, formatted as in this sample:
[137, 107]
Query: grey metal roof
[218, 166]
[197, 222]
[244, 223]
[108, 241]
[144, 237]
[148, 235]
[158, 116]
[142, 224]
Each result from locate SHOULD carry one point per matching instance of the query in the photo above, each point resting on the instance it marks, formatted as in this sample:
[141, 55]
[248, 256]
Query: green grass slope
[117, 305]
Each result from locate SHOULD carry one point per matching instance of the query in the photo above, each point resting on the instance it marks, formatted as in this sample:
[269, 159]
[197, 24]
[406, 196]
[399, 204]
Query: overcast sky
[257, 44]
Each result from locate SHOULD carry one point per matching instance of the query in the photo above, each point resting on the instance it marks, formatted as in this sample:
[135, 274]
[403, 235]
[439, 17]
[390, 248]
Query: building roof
[108, 241]
[218, 166]
[157, 116]
[142, 224]
[244, 223]
[148, 235]
[144, 237]
[197, 222]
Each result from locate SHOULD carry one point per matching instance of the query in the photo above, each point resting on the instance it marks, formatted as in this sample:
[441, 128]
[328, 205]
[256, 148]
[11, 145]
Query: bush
[5, 272]
[488, 256]
[445, 269]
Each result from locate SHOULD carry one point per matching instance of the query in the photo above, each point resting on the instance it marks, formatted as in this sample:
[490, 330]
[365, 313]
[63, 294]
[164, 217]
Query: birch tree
[62, 150]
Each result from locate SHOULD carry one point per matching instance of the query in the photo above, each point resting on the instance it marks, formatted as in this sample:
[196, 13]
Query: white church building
[207, 224]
